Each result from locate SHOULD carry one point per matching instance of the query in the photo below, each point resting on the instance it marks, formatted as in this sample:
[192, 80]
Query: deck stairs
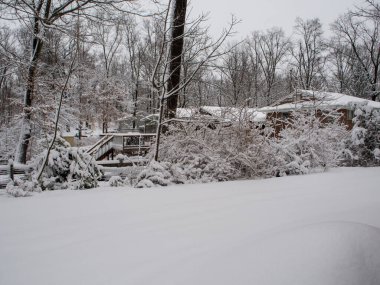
[102, 147]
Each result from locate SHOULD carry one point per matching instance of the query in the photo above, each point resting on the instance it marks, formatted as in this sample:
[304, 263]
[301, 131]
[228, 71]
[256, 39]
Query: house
[320, 101]
[221, 115]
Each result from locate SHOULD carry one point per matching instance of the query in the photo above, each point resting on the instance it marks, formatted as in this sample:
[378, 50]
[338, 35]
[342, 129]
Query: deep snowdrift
[315, 229]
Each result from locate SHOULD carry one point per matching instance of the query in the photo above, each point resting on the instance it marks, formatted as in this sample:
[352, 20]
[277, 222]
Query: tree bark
[27, 113]
[176, 48]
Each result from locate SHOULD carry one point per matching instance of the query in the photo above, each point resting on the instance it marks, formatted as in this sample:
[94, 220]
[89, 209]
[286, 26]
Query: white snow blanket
[301, 230]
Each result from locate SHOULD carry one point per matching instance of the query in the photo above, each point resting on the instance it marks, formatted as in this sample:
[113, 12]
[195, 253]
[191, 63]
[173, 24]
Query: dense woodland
[106, 59]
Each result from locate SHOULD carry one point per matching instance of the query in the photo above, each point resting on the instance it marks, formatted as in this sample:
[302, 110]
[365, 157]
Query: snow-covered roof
[186, 112]
[320, 100]
[224, 113]
[131, 134]
[127, 116]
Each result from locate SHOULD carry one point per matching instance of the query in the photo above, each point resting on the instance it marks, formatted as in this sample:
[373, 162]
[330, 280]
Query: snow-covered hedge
[310, 142]
[362, 148]
[200, 153]
[116, 181]
[155, 174]
[22, 188]
[250, 151]
[203, 152]
[196, 154]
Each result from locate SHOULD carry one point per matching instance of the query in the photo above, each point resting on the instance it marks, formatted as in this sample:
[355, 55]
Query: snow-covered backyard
[300, 230]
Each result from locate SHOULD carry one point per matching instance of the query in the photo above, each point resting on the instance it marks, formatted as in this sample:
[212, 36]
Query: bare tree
[39, 16]
[152, 40]
[341, 65]
[192, 94]
[108, 36]
[363, 36]
[271, 49]
[136, 52]
[371, 9]
[256, 71]
[308, 53]
[7, 68]
[236, 68]
[205, 53]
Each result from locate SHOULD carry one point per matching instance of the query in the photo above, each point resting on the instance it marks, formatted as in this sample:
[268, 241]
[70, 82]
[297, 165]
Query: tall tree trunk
[25, 135]
[374, 85]
[23, 144]
[176, 48]
[2, 79]
[159, 127]
[135, 97]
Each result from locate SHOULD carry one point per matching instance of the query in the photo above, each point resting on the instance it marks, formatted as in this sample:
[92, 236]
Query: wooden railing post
[11, 169]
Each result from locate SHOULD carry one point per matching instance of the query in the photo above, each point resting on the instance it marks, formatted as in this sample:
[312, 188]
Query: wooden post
[140, 145]
[11, 170]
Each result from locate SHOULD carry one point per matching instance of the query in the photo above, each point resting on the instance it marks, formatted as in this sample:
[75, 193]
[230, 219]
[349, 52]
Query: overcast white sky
[264, 14]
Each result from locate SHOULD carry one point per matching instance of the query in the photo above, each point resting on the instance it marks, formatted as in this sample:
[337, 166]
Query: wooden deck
[131, 144]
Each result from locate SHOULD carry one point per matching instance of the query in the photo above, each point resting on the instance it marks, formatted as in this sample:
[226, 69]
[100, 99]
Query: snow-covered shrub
[311, 141]
[249, 150]
[376, 154]
[131, 174]
[194, 160]
[205, 152]
[196, 154]
[155, 174]
[362, 147]
[120, 157]
[116, 181]
[200, 152]
[22, 188]
[69, 167]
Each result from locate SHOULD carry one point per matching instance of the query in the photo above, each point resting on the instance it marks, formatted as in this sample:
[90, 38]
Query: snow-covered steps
[101, 147]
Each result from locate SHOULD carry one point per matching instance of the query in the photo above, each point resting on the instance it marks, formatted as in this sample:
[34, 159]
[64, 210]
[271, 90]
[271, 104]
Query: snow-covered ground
[300, 230]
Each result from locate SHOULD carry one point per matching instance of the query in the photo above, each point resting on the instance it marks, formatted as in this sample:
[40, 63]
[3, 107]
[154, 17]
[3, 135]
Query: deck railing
[128, 143]
[10, 171]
